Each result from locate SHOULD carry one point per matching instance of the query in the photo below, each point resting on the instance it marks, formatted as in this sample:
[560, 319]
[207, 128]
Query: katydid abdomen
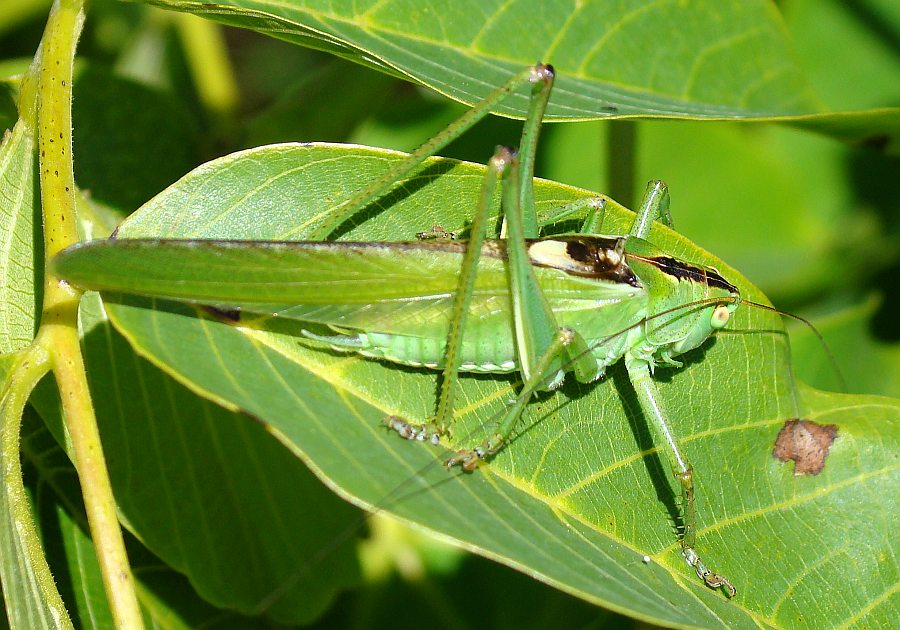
[599, 303]
[597, 300]
[488, 345]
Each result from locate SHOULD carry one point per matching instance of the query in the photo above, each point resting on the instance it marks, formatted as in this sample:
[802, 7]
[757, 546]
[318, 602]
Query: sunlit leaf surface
[721, 58]
[580, 497]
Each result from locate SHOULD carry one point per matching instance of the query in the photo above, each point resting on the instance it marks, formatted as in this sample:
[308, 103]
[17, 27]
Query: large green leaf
[167, 600]
[211, 494]
[721, 58]
[580, 497]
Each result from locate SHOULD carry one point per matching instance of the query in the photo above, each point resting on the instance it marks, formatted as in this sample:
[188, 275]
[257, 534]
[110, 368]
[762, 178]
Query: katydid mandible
[538, 306]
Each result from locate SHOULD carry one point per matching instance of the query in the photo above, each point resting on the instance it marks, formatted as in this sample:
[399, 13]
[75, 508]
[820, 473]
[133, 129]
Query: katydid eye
[720, 317]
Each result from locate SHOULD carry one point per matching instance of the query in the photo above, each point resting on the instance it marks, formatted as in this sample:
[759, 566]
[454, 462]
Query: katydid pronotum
[539, 306]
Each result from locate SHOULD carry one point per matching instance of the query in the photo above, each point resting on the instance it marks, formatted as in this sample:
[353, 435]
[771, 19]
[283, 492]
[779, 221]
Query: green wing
[399, 288]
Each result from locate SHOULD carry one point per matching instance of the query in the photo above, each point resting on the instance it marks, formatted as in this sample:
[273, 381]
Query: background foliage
[811, 220]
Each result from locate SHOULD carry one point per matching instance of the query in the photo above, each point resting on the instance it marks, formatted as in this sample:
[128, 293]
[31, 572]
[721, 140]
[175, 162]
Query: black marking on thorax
[685, 271]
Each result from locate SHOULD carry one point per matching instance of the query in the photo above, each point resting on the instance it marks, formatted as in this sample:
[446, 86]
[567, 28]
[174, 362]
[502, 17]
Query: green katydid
[539, 306]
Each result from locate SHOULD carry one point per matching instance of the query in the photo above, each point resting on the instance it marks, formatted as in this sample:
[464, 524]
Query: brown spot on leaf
[806, 443]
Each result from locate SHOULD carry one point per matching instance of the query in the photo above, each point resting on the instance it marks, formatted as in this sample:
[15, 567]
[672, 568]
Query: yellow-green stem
[58, 333]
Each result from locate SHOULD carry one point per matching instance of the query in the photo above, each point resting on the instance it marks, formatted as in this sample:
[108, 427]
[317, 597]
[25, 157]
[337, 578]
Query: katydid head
[687, 302]
[710, 318]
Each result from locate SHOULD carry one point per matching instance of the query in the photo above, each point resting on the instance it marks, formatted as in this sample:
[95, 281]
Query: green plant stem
[27, 371]
[58, 333]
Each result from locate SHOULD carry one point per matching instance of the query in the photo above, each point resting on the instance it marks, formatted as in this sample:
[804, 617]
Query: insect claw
[712, 580]
[436, 233]
[470, 459]
[542, 72]
[465, 459]
[409, 431]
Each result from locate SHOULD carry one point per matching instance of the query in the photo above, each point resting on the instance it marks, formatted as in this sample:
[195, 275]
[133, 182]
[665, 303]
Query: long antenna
[815, 331]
